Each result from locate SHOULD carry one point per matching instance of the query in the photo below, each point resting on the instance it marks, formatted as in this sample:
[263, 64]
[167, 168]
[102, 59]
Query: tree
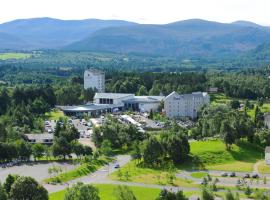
[24, 150]
[153, 152]
[61, 147]
[9, 182]
[38, 150]
[227, 133]
[177, 147]
[235, 104]
[136, 152]
[79, 191]
[142, 91]
[78, 149]
[106, 148]
[3, 194]
[27, 188]
[167, 195]
[124, 193]
[207, 194]
[259, 117]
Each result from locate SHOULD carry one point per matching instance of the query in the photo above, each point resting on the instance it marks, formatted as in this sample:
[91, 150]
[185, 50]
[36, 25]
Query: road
[99, 176]
[226, 181]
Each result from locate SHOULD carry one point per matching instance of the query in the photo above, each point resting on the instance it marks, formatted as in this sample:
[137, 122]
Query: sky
[141, 11]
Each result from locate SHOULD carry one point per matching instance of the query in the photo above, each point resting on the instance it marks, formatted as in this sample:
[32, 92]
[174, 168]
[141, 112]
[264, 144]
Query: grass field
[54, 115]
[213, 155]
[219, 98]
[263, 168]
[140, 174]
[106, 192]
[198, 174]
[80, 171]
[6, 56]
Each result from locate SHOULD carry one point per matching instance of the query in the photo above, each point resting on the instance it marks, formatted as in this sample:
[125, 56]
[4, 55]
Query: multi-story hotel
[94, 79]
[185, 105]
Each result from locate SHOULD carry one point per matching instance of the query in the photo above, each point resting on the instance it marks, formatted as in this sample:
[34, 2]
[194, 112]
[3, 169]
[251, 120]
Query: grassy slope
[80, 171]
[146, 175]
[213, 155]
[106, 192]
[6, 56]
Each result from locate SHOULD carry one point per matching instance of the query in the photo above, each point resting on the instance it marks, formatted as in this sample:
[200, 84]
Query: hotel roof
[112, 95]
[87, 108]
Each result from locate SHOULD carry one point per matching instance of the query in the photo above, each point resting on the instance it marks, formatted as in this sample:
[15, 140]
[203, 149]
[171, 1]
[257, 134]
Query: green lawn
[198, 174]
[106, 192]
[263, 168]
[219, 98]
[213, 155]
[54, 115]
[80, 171]
[138, 173]
[6, 56]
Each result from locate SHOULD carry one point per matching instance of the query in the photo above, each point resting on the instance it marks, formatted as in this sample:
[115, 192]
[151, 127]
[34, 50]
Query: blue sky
[142, 11]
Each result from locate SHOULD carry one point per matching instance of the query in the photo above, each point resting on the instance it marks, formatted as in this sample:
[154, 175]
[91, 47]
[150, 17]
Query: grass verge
[140, 174]
[80, 171]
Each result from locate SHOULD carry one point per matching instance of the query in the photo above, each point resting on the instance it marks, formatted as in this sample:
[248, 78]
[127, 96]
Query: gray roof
[267, 149]
[145, 99]
[87, 108]
[188, 96]
[39, 137]
[112, 95]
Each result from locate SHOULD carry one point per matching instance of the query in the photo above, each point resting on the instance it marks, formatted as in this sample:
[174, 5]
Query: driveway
[99, 176]
[38, 171]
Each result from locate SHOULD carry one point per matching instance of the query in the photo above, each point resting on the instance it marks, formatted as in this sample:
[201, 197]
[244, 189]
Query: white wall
[94, 80]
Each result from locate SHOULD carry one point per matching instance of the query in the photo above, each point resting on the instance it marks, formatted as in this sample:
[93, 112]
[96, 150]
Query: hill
[188, 38]
[37, 33]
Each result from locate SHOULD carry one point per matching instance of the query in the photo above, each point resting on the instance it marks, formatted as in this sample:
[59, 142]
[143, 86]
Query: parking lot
[39, 171]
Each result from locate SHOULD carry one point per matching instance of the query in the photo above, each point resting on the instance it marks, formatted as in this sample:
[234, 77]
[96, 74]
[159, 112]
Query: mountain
[8, 41]
[52, 33]
[190, 38]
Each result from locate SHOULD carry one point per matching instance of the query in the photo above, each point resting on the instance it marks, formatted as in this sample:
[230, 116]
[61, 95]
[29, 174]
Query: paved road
[226, 181]
[99, 176]
[39, 171]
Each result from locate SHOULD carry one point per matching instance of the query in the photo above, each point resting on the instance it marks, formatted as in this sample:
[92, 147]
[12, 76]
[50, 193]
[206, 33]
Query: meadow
[212, 155]
[8, 56]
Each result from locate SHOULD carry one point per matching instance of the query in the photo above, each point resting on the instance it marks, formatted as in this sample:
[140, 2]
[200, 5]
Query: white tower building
[94, 79]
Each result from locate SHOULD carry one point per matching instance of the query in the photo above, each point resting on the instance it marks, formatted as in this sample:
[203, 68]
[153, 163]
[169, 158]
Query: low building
[94, 79]
[143, 103]
[44, 138]
[93, 110]
[185, 105]
[267, 155]
[112, 98]
[114, 102]
[213, 90]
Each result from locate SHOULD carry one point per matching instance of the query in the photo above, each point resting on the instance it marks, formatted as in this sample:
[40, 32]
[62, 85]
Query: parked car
[224, 174]
[255, 175]
[117, 166]
[246, 176]
[232, 174]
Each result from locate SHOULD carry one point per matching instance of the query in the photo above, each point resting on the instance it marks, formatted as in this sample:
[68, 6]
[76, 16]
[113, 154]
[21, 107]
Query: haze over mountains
[191, 38]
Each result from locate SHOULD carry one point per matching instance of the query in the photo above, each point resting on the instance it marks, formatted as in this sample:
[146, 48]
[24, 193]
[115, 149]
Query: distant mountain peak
[246, 23]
